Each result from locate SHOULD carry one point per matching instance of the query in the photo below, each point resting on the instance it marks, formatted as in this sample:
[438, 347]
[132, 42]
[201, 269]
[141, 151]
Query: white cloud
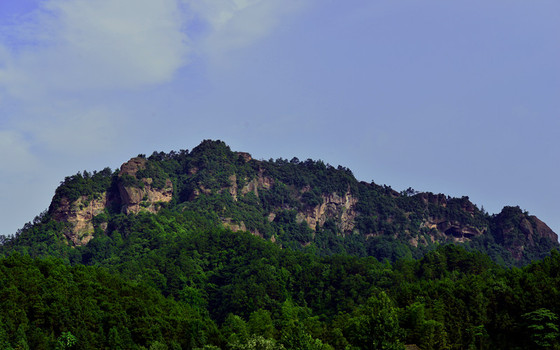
[219, 12]
[238, 23]
[82, 44]
[61, 65]
[72, 129]
[15, 154]
[69, 45]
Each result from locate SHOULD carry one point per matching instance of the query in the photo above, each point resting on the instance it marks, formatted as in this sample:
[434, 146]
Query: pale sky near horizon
[456, 97]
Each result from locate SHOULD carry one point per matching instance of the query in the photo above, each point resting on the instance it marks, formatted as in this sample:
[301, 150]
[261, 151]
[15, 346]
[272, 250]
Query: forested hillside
[213, 249]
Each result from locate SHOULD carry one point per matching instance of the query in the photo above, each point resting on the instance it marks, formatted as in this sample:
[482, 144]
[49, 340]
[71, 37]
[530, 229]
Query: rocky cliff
[341, 209]
[518, 231]
[130, 194]
[141, 195]
[79, 215]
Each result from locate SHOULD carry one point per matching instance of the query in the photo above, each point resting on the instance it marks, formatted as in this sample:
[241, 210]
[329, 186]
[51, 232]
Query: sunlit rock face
[141, 195]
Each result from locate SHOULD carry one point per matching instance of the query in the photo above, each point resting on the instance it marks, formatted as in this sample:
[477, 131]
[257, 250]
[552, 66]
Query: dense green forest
[174, 285]
[229, 262]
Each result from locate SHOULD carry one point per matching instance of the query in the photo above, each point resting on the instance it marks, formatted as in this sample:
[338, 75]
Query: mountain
[211, 249]
[296, 204]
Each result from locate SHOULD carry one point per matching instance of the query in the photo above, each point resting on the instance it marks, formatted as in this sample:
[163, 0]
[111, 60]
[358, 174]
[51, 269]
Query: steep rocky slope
[141, 194]
[296, 203]
[87, 212]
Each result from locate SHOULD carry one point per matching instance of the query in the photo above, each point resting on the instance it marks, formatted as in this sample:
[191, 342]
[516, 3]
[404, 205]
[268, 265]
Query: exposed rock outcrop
[133, 196]
[340, 208]
[542, 229]
[133, 166]
[79, 215]
[436, 199]
[246, 157]
[459, 232]
[233, 186]
[230, 224]
[259, 182]
[141, 196]
[455, 230]
[518, 232]
[146, 198]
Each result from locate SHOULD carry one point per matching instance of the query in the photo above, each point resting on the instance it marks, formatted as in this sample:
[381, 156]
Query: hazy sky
[459, 97]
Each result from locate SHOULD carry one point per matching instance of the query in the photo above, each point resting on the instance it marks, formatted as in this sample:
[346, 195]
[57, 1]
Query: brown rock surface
[543, 230]
[259, 182]
[334, 206]
[79, 215]
[144, 198]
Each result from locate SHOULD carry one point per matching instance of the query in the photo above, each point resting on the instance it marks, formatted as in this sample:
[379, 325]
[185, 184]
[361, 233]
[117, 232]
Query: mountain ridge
[294, 203]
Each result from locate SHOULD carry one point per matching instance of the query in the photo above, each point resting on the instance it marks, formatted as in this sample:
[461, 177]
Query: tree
[429, 334]
[543, 328]
[67, 340]
[375, 325]
[260, 323]
[235, 330]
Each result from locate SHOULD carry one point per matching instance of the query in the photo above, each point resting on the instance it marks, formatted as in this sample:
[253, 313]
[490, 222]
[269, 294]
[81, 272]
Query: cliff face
[141, 196]
[342, 209]
[79, 215]
[253, 185]
[131, 196]
[518, 232]
[452, 229]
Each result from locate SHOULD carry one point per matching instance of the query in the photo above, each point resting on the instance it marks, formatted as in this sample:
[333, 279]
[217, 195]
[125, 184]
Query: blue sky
[455, 97]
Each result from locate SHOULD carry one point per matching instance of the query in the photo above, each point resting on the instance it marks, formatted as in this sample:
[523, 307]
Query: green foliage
[426, 333]
[235, 330]
[260, 323]
[375, 325]
[43, 298]
[543, 327]
[67, 340]
[155, 172]
[130, 181]
[182, 272]
[179, 279]
[289, 230]
[83, 184]
[257, 342]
